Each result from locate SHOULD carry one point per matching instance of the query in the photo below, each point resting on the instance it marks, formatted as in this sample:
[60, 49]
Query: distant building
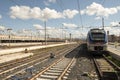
[113, 38]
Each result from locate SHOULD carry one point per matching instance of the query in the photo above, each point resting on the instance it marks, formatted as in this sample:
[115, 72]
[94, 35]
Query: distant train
[97, 40]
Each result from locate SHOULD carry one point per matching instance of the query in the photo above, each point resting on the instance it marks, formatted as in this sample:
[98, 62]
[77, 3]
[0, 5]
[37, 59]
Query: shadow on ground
[80, 51]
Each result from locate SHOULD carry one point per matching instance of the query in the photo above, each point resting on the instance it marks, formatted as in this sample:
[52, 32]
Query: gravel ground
[38, 65]
[84, 68]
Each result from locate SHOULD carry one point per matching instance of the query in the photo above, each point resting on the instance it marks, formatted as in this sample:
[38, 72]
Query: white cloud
[2, 28]
[70, 13]
[118, 7]
[112, 30]
[69, 25]
[0, 16]
[25, 31]
[14, 33]
[25, 12]
[52, 1]
[35, 13]
[115, 23]
[97, 18]
[50, 14]
[47, 3]
[21, 12]
[82, 12]
[37, 26]
[51, 31]
[99, 10]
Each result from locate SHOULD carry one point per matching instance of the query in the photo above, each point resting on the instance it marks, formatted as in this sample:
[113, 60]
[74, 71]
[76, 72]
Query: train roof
[97, 30]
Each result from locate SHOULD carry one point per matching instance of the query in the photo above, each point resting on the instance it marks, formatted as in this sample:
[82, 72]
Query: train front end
[97, 40]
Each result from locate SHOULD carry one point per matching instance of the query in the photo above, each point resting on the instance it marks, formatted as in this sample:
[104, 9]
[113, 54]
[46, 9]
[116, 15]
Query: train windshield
[98, 36]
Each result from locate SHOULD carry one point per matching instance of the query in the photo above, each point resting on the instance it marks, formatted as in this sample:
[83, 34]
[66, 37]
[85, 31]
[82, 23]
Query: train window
[97, 31]
[98, 36]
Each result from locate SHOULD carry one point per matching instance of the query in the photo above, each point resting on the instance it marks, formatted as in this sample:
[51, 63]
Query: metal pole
[31, 35]
[62, 31]
[103, 22]
[9, 35]
[38, 32]
[108, 35]
[65, 36]
[45, 33]
[70, 36]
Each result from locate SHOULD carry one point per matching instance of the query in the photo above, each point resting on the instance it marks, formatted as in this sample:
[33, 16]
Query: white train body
[97, 40]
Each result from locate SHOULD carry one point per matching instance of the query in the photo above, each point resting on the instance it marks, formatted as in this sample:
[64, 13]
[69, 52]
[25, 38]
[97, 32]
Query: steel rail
[112, 63]
[47, 68]
[18, 61]
[42, 58]
[97, 68]
[34, 77]
[106, 71]
[68, 66]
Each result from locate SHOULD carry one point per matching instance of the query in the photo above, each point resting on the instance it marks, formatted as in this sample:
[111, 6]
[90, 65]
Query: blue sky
[21, 15]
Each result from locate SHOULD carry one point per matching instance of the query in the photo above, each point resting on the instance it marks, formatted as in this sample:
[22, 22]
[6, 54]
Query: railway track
[56, 71]
[13, 62]
[6, 72]
[106, 69]
[39, 53]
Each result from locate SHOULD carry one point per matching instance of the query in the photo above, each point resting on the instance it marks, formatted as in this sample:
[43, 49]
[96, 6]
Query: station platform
[114, 51]
[15, 50]
[16, 53]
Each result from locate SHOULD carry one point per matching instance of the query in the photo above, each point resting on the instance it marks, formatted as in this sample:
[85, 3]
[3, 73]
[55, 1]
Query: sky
[62, 17]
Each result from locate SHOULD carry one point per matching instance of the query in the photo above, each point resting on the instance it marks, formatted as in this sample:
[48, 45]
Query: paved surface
[115, 51]
[113, 46]
[14, 50]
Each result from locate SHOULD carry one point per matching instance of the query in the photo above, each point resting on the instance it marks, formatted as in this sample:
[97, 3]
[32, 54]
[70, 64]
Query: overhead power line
[14, 2]
[60, 4]
[79, 9]
[102, 2]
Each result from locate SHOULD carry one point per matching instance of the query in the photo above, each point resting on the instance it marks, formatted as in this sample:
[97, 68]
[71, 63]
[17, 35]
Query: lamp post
[108, 36]
[31, 36]
[62, 32]
[103, 22]
[65, 36]
[70, 37]
[9, 36]
[38, 32]
[45, 33]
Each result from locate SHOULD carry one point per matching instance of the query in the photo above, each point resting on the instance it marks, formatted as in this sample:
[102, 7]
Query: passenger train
[97, 40]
